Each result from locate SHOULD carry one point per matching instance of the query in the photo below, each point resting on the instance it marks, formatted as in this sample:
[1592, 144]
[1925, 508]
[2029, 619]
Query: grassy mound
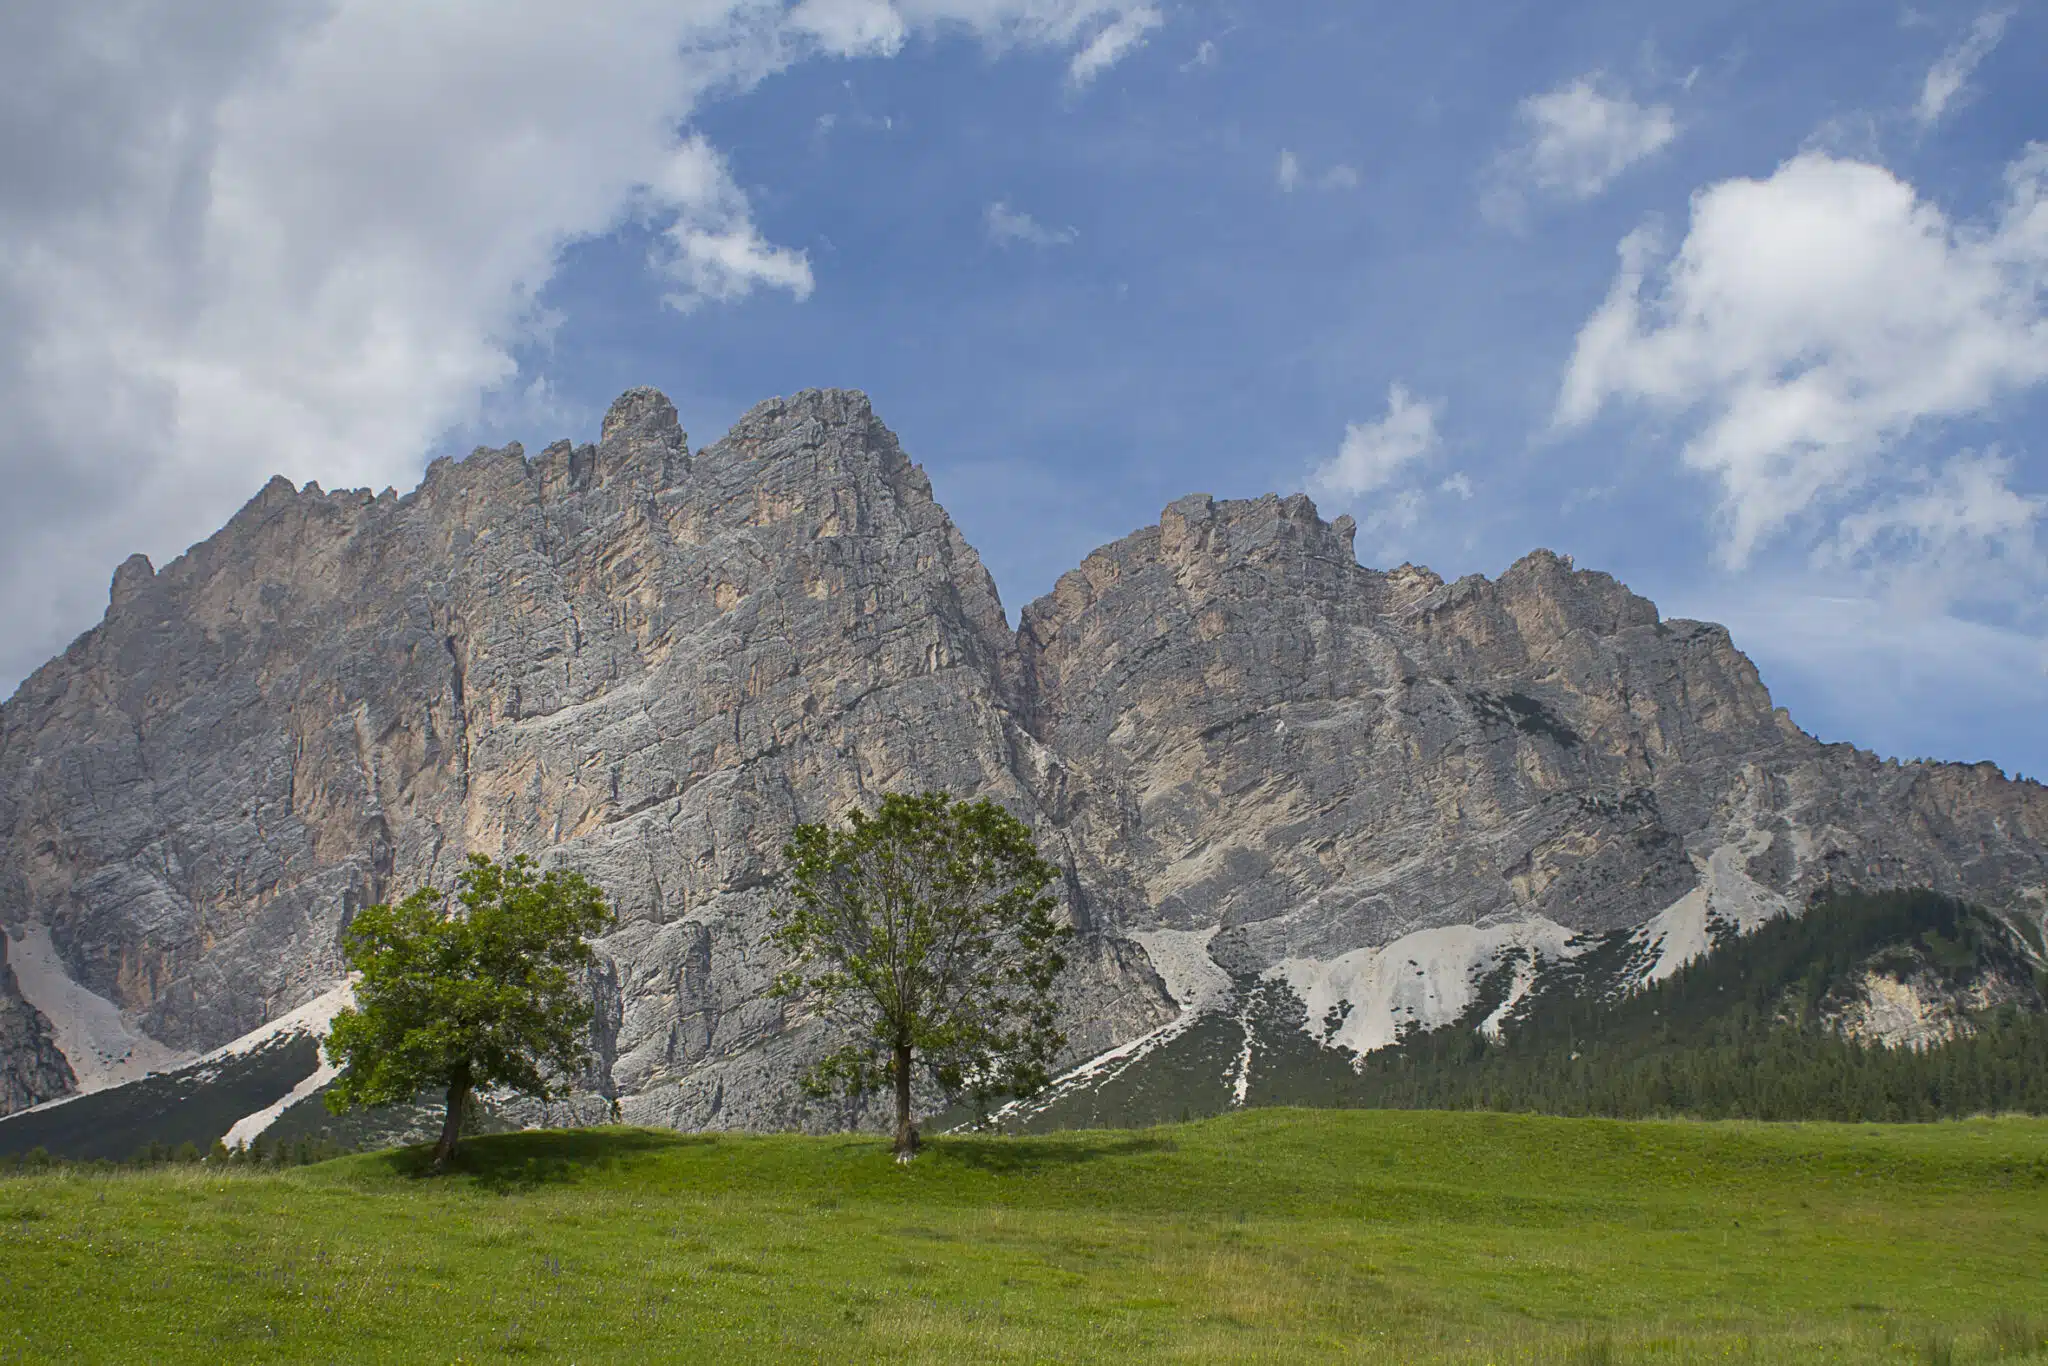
[1267, 1236]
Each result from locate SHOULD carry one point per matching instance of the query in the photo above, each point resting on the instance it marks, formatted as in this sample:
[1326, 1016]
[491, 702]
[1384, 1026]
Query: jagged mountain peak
[135, 574]
[649, 662]
[642, 412]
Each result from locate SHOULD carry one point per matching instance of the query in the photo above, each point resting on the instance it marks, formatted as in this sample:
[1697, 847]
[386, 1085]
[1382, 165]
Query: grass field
[1273, 1235]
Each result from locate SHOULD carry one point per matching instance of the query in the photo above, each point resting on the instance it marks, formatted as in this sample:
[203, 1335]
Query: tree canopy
[926, 933]
[482, 990]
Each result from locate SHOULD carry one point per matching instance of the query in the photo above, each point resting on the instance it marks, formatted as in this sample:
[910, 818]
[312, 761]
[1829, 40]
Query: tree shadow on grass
[1009, 1156]
[508, 1164]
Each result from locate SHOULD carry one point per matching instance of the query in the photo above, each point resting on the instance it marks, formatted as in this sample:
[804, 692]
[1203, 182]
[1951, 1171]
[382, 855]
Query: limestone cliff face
[642, 662]
[32, 1068]
[1925, 1008]
[648, 663]
[1317, 756]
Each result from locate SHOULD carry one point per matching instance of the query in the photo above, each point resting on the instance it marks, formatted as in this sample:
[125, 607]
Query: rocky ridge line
[649, 663]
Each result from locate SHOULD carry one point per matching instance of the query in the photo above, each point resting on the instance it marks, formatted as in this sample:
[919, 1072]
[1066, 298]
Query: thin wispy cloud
[1948, 79]
[1290, 176]
[1116, 40]
[714, 253]
[855, 28]
[1572, 143]
[1376, 457]
[1011, 227]
[1933, 541]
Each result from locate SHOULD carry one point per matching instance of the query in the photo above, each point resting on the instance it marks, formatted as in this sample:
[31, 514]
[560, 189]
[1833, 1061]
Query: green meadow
[1265, 1236]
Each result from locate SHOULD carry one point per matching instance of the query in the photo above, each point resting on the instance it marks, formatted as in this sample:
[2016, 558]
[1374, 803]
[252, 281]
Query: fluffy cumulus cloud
[1377, 467]
[1811, 322]
[1948, 78]
[309, 237]
[1573, 141]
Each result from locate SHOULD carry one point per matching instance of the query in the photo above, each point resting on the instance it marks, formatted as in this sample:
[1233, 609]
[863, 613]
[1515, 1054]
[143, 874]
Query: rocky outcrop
[1921, 1010]
[649, 662]
[32, 1069]
[642, 661]
[1926, 990]
[1316, 756]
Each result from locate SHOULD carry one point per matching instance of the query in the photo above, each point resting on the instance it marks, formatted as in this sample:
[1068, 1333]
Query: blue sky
[1745, 304]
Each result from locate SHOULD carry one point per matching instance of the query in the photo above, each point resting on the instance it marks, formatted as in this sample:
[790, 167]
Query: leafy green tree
[481, 990]
[926, 933]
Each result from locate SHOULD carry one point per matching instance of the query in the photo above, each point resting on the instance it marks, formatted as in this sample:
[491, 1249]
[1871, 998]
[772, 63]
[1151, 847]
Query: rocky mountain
[32, 1068]
[1256, 759]
[1864, 1006]
[253, 1079]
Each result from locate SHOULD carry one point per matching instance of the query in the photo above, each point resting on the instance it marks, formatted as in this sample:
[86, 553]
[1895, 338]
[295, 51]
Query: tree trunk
[451, 1126]
[906, 1132]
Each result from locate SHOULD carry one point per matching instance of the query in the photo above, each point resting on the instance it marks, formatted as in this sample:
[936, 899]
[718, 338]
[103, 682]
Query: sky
[1743, 303]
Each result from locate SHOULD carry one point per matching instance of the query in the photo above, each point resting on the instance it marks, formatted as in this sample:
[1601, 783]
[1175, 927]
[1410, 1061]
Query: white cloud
[1947, 78]
[1459, 485]
[1574, 141]
[1100, 32]
[253, 238]
[1811, 320]
[1376, 454]
[851, 28]
[710, 246]
[1205, 55]
[1960, 534]
[1007, 226]
[1290, 176]
[1400, 512]
[1288, 172]
[1115, 41]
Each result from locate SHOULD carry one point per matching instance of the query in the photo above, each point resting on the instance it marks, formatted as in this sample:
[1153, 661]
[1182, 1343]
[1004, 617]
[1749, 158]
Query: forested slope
[1762, 1028]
